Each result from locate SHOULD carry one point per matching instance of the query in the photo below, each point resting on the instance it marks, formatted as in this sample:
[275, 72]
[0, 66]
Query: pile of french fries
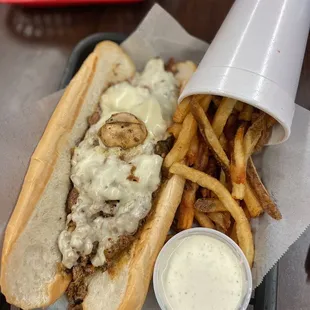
[215, 139]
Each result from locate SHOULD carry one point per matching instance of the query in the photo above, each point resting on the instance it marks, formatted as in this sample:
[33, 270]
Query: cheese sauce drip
[101, 174]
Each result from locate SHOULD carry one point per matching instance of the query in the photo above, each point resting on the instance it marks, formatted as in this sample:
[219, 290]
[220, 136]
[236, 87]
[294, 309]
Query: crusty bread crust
[30, 256]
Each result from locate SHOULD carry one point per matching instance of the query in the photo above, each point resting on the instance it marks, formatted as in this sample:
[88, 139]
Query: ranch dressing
[203, 272]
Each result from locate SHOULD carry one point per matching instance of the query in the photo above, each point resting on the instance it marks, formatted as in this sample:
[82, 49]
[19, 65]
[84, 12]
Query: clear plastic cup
[170, 246]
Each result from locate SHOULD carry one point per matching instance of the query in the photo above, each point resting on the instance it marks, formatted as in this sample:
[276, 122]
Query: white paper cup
[256, 57]
[167, 250]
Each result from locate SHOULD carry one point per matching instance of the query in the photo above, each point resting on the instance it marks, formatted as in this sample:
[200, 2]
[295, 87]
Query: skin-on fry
[220, 229]
[175, 129]
[192, 153]
[253, 134]
[209, 136]
[182, 144]
[186, 208]
[233, 234]
[208, 205]
[251, 202]
[263, 140]
[246, 113]
[238, 166]
[220, 218]
[182, 110]
[221, 115]
[212, 171]
[239, 106]
[261, 192]
[217, 100]
[231, 127]
[243, 227]
[203, 220]
[223, 142]
[223, 178]
[204, 101]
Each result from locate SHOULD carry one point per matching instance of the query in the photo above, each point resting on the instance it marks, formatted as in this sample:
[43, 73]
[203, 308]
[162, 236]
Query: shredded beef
[118, 247]
[72, 199]
[163, 147]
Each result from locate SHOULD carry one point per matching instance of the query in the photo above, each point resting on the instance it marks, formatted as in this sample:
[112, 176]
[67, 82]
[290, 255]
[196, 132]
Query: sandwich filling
[115, 171]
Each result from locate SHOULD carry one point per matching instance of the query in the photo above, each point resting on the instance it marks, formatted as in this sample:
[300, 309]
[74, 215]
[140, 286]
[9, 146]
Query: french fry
[212, 171]
[192, 153]
[209, 205]
[209, 136]
[253, 134]
[231, 127]
[243, 227]
[261, 192]
[222, 113]
[217, 100]
[203, 220]
[246, 113]
[182, 144]
[219, 228]
[204, 101]
[186, 208]
[182, 110]
[223, 142]
[223, 178]
[233, 234]
[251, 202]
[239, 106]
[175, 129]
[238, 166]
[220, 218]
[169, 236]
[263, 140]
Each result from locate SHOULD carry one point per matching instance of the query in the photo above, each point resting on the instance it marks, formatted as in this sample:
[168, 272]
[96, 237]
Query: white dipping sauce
[203, 272]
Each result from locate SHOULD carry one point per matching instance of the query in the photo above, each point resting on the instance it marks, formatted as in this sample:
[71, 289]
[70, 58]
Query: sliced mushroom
[123, 130]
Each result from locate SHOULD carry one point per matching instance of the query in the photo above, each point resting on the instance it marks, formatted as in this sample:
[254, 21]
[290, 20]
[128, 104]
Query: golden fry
[208, 134]
[231, 127]
[253, 134]
[219, 228]
[243, 227]
[192, 153]
[203, 220]
[175, 129]
[182, 110]
[217, 100]
[182, 144]
[223, 178]
[251, 202]
[220, 218]
[239, 106]
[261, 192]
[246, 113]
[186, 208]
[266, 134]
[233, 234]
[223, 142]
[222, 113]
[208, 205]
[238, 166]
[204, 101]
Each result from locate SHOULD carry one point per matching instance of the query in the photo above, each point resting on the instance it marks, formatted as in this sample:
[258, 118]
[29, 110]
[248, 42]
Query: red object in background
[64, 2]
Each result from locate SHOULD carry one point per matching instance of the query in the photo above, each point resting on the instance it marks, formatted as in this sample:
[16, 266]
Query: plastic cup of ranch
[202, 268]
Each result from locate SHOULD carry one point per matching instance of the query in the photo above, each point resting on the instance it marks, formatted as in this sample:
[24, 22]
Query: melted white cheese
[100, 174]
